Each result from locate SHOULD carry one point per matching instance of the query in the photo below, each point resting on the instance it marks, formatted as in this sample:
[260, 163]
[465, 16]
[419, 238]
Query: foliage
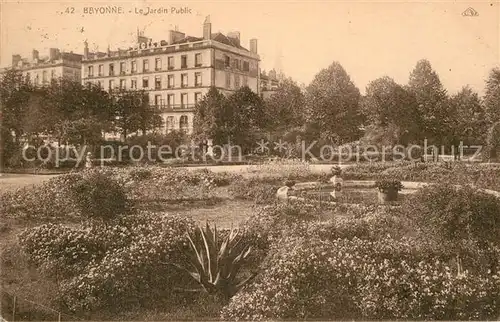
[385, 185]
[388, 105]
[456, 218]
[492, 96]
[333, 105]
[217, 262]
[133, 113]
[292, 169]
[285, 106]
[108, 266]
[432, 103]
[99, 197]
[230, 120]
[310, 278]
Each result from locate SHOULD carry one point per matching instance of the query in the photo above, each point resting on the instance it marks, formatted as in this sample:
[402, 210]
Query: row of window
[236, 63]
[170, 102]
[158, 82]
[145, 65]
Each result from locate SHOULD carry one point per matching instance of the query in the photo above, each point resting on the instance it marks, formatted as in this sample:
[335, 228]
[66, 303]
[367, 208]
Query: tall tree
[133, 113]
[389, 105]
[432, 102]
[285, 107]
[492, 96]
[332, 102]
[209, 117]
[469, 118]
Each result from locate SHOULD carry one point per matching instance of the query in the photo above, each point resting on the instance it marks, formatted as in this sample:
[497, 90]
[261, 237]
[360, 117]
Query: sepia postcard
[249, 160]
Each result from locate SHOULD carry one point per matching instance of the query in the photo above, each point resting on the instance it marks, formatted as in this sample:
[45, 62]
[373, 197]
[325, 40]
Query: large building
[41, 70]
[177, 72]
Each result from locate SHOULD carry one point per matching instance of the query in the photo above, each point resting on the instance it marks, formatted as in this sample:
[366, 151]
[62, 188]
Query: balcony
[175, 107]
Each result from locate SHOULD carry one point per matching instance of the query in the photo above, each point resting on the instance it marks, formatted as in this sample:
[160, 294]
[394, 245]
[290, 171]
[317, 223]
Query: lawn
[14, 181]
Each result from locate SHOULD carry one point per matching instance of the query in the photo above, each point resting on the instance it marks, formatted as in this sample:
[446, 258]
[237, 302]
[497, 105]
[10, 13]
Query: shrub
[255, 190]
[98, 196]
[461, 219]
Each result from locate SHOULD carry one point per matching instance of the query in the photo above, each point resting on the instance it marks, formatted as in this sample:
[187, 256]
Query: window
[246, 66]
[37, 79]
[197, 97]
[133, 67]
[170, 81]
[91, 71]
[100, 70]
[52, 74]
[170, 100]
[245, 81]
[44, 76]
[111, 69]
[228, 80]
[227, 61]
[197, 60]
[171, 62]
[158, 100]
[133, 83]
[236, 64]
[122, 68]
[184, 59]
[184, 100]
[197, 79]
[145, 82]
[158, 64]
[111, 84]
[237, 81]
[122, 84]
[145, 65]
[170, 123]
[158, 82]
[184, 80]
[183, 123]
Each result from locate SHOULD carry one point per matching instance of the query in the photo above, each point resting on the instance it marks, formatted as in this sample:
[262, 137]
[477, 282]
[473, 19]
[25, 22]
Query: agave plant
[216, 265]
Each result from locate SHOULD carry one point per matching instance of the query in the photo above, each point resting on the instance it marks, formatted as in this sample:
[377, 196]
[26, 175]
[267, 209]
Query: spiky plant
[216, 265]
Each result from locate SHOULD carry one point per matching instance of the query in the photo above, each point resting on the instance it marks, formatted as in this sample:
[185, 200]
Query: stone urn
[388, 190]
[282, 193]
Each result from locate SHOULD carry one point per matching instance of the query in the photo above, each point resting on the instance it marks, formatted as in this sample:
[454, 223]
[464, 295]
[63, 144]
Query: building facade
[41, 70]
[269, 83]
[177, 72]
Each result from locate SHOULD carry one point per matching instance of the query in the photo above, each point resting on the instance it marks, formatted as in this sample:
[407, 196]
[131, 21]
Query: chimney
[34, 55]
[53, 54]
[15, 60]
[86, 50]
[174, 35]
[235, 36]
[207, 29]
[253, 45]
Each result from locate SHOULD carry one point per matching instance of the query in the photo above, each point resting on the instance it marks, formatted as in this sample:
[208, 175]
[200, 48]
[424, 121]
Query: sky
[369, 39]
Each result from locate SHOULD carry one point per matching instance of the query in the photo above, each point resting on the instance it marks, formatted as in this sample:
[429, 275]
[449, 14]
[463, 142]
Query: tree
[389, 105]
[244, 117]
[209, 117]
[133, 113]
[432, 102]
[285, 107]
[469, 118]
[492, 96]
[332, 108]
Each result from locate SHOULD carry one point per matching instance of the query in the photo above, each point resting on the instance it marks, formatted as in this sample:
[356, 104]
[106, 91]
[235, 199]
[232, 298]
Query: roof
[219, 37]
